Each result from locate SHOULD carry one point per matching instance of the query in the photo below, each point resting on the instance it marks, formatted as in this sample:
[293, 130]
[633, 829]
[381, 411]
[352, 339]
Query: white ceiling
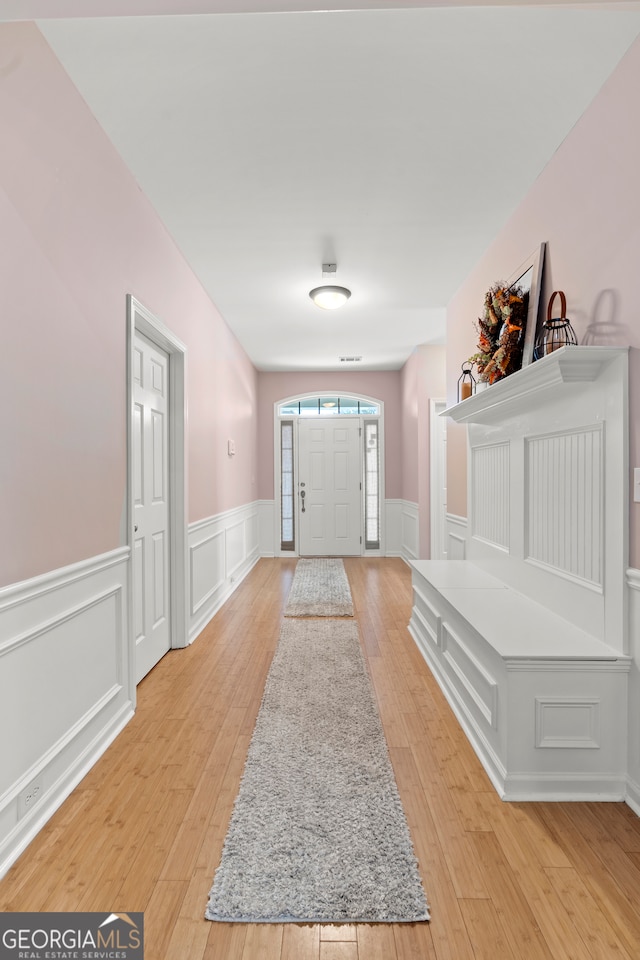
[393, 142]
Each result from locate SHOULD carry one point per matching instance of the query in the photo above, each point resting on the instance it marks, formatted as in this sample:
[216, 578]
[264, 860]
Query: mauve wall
[77, 235]
[383, 385]
[410, 428]
[423, 379]
[586, 206]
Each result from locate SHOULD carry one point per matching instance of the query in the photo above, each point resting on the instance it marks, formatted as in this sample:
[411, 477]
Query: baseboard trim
[632, 796]
[564, 788]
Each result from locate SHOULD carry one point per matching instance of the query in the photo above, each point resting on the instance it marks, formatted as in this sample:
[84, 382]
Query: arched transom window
[328, 407]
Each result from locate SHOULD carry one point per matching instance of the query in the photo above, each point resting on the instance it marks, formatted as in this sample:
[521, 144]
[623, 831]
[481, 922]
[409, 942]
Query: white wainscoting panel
[393, 510]
[566, 502]
[456, 533]
[234, 543]
[268, 536]
[222, 550]
[410, 545]
[67, 688]
[206, 569]
[490, 493]
[633, 754]
[476, 683]
[428, 619]
[567, 723]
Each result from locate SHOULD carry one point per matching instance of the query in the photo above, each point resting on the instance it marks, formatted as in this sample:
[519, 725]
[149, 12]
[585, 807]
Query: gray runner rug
[320, 589]
[318, 833]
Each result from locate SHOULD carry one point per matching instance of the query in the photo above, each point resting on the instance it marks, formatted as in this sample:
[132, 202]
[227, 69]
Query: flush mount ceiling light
[328, 296]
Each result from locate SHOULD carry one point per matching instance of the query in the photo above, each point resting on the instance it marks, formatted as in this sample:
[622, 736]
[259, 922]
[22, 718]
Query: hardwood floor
[144, 830]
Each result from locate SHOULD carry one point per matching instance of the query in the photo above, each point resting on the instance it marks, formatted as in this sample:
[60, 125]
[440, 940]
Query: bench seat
[543, 703]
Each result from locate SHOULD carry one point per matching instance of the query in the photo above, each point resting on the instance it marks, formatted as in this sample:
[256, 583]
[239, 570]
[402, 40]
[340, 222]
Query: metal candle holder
[556, 332]
[466, 382]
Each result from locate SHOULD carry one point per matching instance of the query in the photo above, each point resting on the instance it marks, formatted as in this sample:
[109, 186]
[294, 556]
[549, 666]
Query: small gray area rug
[320, 589]
[318, 833]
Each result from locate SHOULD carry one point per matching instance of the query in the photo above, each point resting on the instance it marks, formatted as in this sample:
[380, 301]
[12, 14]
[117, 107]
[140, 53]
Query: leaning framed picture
[528, 277]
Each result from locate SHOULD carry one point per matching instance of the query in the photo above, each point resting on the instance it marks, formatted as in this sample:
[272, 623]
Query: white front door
[329, 487]
[150, 504]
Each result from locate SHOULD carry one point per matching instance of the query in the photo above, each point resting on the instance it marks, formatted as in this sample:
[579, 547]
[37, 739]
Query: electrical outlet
[29, 797]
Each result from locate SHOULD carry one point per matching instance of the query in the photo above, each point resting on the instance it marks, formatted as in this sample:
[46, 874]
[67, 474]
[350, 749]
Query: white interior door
[329, 487]
[150, 504]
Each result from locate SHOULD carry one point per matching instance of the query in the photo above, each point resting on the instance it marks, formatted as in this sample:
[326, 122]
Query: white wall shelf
[509, 397]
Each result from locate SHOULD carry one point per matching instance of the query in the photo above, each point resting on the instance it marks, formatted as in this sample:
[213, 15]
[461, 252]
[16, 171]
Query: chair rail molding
[633, 578]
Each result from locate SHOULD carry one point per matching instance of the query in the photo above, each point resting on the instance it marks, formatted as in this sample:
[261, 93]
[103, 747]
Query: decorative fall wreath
[501, 332]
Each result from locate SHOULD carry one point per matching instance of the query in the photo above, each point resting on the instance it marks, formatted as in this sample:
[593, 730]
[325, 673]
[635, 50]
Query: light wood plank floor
[144, 830]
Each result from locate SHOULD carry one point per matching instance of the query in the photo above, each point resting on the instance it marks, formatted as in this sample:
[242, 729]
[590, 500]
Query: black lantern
[466, 382]
[556, 332]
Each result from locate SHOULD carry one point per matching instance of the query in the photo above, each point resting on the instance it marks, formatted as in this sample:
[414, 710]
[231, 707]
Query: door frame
[140, 320]
[437, 463]
[298, 501]
[277, 519]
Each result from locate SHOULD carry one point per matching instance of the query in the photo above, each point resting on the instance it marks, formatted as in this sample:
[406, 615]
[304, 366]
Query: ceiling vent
[349, 359]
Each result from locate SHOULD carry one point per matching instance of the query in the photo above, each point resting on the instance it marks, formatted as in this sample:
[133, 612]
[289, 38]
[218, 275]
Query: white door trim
[140, 320]
[277, 520]
[437, 464]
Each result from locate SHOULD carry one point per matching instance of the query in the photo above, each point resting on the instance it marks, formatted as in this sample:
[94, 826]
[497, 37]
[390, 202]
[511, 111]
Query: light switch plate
[636, 484]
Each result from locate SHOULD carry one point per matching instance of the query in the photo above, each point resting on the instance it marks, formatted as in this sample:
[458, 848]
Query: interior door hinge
[359, 431]
[360, 539]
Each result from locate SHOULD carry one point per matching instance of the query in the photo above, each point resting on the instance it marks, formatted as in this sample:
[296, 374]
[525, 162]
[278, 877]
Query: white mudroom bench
[543, 703]
[525, 624]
